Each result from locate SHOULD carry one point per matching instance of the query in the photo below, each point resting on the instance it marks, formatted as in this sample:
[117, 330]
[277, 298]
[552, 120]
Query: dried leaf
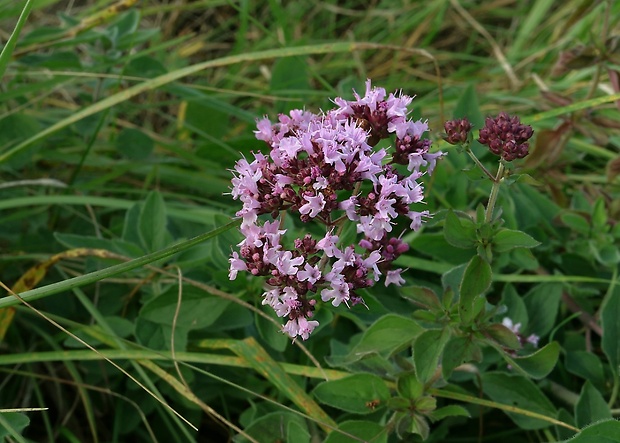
[549, 145]
[613, 169]
[35, 274]
[614, 79]
[575, 58]
[556, 98]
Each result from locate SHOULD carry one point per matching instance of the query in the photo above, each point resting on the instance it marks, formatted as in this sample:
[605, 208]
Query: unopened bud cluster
[325, 168]
[505, 135]
[457, 131]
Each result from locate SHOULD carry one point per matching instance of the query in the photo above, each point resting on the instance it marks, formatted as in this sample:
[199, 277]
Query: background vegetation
[118, 125]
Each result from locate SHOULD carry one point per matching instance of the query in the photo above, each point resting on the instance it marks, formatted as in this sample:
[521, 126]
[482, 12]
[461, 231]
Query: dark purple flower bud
[457, 131]
[506, 136]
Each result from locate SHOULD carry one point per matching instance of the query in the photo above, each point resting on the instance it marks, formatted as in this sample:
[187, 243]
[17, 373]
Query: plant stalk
[497, 181]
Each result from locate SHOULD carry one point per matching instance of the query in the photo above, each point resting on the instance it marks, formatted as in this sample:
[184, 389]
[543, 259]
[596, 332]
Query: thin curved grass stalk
[497, 51]
[85, 386]
[63, 329]
[187, 358]
[108, 102]
[87, 23]
[103, 253]
[577, 106]
[491, 404]
[218, 418]
[76, 282]
[184, 390]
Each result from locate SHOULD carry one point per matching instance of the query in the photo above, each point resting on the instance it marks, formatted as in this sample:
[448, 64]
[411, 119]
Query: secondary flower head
[506, 136]
[457, 131]
[324, 168]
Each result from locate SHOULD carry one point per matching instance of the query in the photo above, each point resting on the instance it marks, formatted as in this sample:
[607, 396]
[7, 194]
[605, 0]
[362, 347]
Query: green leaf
[290, 76]
[388, 334]
[359, 393]
[131, 225]
[459, 232]
[576, 222]
[152, 222]
[399, 404]
[457, 351]
[610, 321]
[561, 431]
[12, 424]
[275, 426]
[503, 336]
[542, 303]
[451, 279]
[134, 144]
[409, 386]
[599, 215]
[524, 259]
[363, 430]
[606, 254]
[15, 127]
[436, 246]
[475, 174]
[159, 336]
[123, 29]
[507, 239]
[427, 350]
[516, 309]
[591, 406]
[147, 67]
[425, 297]
[198, 309]
[585, 365]
[449, 411]
[467, 106]
[476, 280]
[602, 432]
[539, 364]
[203, 116]
[518, 391]
[412, 424]
[269, 332]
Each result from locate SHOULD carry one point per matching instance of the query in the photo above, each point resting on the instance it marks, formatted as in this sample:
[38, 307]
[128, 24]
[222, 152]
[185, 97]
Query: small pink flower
[236, 265]
[300, 326]
[310, 273]
[287, 265]
[394, 277]
[348, 206]
[338, 293]
[314, 206]
[328, 244]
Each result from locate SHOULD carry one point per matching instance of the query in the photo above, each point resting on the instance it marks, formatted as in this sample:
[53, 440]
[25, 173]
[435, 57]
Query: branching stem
[497, 181]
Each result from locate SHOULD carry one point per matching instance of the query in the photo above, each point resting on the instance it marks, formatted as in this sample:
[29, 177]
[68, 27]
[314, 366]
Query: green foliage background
[119, 122]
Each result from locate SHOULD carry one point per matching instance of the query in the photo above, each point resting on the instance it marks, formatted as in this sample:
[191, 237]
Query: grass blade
[164, 79]
[95, 276]
[7, 51]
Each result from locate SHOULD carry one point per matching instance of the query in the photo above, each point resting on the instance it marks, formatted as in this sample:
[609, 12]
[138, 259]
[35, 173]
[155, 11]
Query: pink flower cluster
[324, 167]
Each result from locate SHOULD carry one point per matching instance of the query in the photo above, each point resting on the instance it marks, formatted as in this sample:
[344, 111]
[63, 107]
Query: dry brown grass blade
[35, 274]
